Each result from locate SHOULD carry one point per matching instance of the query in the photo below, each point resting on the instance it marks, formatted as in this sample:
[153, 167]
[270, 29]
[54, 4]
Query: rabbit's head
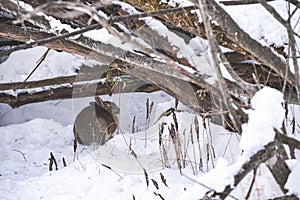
[107, 105]
[96, 123]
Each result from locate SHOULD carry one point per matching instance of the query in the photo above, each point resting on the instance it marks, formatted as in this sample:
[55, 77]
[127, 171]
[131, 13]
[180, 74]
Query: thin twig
[39, 63]
[252, 183]
[205, 186]
[23, 154]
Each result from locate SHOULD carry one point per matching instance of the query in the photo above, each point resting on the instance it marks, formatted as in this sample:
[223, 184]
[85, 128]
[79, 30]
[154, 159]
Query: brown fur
[96, 123]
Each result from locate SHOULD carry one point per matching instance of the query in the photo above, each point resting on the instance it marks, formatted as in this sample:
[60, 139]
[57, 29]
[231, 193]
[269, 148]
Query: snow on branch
[258, 144]
[149, 59]
[236, 34]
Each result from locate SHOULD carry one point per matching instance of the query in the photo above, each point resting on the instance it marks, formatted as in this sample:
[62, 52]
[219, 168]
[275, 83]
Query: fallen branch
[288, 140]
[240, 2]
[278, 167]
[239, 36]
[287, 197]
[245, 2]
[260, 157]
[84, 74]
[68, 91]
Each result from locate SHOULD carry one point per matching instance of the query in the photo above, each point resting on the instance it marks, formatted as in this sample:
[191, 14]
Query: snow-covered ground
[30, 133]
[26, 145]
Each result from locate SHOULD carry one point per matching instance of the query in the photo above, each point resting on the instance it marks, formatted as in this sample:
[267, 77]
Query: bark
[260, 157]
[75, 89]
[158, 79]
[143, 66]
[292, 142]
[259, 52]
[287, 197]
[279, 168]
[12, 8]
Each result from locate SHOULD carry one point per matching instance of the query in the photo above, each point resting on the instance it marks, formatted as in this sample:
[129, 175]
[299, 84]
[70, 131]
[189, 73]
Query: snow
[267, 114]
[292, 183]
[199, 45]
[56, 110]
[36, 150]
[20, 64]
[26, 133]
[183, 50]
[31, 132]
[87, 178]
[201, 62]
[224, 179]
[57, 26]
[225, 73]
[263, 27]
[249, 18]
[258, 132]
[182, 3]
[23, 5]
[104, 36]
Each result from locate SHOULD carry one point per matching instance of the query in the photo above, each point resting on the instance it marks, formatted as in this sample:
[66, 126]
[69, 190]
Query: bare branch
[44, 41]
[260, 157]
[288, 140]
[251, 185]
[69, 90]
[279, 168]
[12, 8]
[153, 13]
[240, 2]
[292, 42]
[236, 34]
[215, 64]
[245, 2]
[287, 197]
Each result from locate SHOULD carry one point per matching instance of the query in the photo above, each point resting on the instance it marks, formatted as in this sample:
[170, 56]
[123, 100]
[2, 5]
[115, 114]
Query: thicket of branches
[157, 66]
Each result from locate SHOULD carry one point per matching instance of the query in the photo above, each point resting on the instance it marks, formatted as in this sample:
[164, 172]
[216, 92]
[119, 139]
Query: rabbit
[96, 123]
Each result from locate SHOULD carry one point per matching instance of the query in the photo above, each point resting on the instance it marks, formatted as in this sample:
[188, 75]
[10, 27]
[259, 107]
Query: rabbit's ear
[99, 101]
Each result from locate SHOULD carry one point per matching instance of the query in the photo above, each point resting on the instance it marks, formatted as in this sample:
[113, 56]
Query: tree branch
[12, 8]
[288, 140]
[215, 53]
[245, 2]
[292, 42]
[70, 90]
[260, 157]
[236, 34]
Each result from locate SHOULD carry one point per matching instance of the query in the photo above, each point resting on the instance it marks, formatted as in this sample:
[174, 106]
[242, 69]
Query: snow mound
[267, 114]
